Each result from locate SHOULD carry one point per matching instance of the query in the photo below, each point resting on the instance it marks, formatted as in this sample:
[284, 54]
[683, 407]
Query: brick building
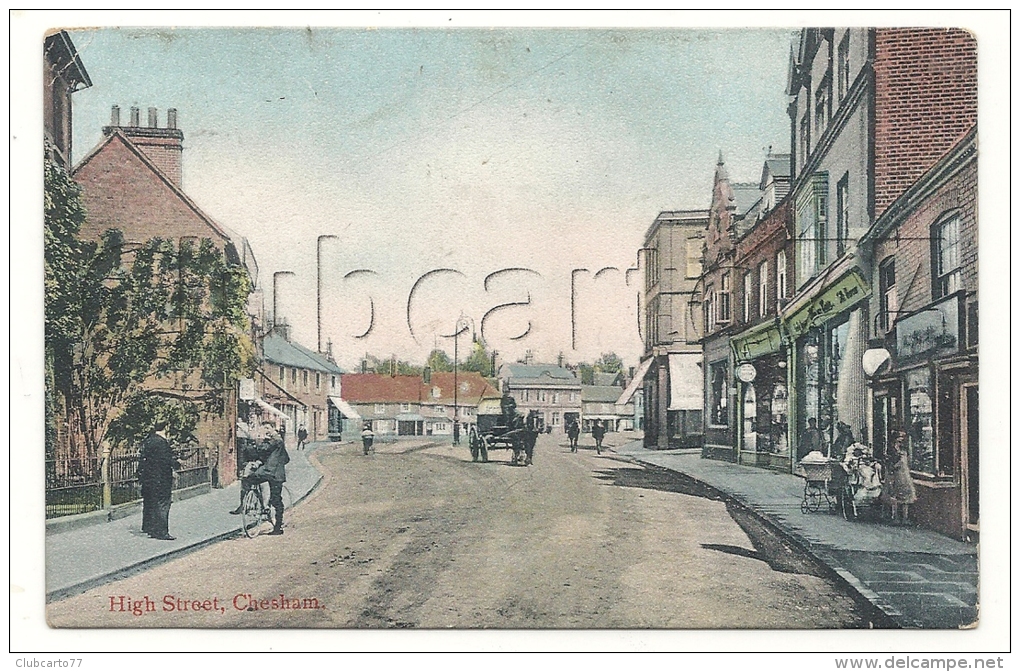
[734, 210]
[875, 115]
[925, 337]
[132, 181]
[763, 261]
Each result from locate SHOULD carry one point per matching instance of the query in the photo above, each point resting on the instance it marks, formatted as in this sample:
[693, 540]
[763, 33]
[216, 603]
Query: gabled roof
[60, 49]
[278, 350]
[117, 136]
[471, 389]
[535, 373]
[606, 379]
[776, 165]
[368, 388]
[602, 394]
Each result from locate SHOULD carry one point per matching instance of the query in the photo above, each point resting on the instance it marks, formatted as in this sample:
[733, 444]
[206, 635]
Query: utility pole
[318, 289]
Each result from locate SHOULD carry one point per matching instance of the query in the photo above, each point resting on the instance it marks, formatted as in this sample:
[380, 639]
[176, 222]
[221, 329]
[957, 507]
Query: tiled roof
[278, 350]
[605, 378]
[526, 373]
[606, 394]
[778, 164]
[367, 388]
[472, 388]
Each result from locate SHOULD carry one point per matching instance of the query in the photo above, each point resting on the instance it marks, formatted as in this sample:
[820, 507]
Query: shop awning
[344, 408]
[271, 409]
[765, 339]
[686, 382]
[410, 417]
[639, 378]
[850, 289]
[605, 416]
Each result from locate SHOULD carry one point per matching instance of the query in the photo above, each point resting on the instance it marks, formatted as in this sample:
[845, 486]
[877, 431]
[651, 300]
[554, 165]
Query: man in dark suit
[273, 470]
[156, 466]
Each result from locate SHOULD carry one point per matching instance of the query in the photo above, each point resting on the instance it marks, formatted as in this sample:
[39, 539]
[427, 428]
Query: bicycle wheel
[251, 514]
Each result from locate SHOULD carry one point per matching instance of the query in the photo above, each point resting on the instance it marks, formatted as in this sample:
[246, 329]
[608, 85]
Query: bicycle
[257, 515]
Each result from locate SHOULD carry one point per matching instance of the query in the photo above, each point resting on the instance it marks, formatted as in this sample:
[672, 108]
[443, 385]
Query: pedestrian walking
[302, 437]
[573, 432]
[367, 436]
[898, 487]
[598, 432]
[156, 465]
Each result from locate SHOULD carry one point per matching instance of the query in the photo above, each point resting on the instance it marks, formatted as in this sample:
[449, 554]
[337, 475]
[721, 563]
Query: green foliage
[479, 360]
[587, 372]
[609, 362]
[439, 362]
[137, 332]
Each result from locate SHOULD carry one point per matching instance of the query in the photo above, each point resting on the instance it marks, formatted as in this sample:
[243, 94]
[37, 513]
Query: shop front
[931, 392]
[763, 397]
[720, 397]
[827, 336]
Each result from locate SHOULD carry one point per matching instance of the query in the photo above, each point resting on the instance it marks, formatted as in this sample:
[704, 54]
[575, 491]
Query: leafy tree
[439, 362]
[609, 362]
[386, 366]
[136, 333]
[480, 360]
[587, 372]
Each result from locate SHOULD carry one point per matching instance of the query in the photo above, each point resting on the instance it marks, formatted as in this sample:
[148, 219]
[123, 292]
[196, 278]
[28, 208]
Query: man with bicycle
[270, 466]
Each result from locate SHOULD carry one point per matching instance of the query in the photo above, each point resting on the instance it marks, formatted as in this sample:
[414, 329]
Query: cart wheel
[483, 450]
[474, 450]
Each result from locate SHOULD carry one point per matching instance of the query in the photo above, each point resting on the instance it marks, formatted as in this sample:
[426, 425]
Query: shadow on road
[770, 547]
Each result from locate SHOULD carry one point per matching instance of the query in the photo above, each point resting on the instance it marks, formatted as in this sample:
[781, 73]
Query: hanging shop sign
[930, 332]
[746, 373]
[762, 340]
[246, 389]
[841, 295]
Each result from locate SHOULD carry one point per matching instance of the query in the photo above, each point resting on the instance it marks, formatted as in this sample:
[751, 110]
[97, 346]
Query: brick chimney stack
[163, 146]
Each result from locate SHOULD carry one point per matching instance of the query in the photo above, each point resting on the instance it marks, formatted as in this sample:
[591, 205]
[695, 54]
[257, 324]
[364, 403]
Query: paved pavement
[918, 578]
[83, 558]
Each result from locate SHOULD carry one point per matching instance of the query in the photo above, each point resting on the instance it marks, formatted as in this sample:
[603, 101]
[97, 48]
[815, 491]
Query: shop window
[842, 214]
[748, 288]
[950, 425]
[888, 292]
[763, 285]
[919, 421]
[946, 252]
[718, 412]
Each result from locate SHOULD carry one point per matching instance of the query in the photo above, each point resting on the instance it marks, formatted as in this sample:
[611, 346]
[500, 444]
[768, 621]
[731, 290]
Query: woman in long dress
[898, 487]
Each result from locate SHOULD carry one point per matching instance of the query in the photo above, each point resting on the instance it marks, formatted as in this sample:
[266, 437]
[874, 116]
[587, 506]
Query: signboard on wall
[754, 343]
[246, 389]
[930, 332]
[841, 295]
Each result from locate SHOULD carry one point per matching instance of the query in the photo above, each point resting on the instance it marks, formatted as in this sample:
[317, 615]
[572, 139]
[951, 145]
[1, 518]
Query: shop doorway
[969, 413]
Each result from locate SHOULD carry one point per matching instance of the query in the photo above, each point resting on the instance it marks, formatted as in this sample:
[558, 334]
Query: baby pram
[863, 484]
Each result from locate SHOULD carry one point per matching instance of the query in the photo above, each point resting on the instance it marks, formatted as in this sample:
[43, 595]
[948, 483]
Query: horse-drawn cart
[508, 430]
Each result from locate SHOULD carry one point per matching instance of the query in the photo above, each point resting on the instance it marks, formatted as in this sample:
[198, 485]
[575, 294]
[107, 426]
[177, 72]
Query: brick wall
[763, 243]
[120, 191]
[925, 101]
[912, 248]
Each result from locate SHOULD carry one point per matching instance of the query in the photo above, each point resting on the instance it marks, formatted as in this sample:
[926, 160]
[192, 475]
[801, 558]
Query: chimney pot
[134, 116]
[153, 120]
[115, 115]
[171, 117]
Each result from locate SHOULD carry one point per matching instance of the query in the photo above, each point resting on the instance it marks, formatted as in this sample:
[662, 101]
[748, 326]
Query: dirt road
[421, 537]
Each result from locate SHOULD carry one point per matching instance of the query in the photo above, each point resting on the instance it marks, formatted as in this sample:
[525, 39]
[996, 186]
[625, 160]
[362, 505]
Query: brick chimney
[163, 146]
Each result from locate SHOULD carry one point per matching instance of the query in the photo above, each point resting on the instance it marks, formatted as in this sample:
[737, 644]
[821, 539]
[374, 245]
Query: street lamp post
[318, 288]
[462, 320]
[276, 292]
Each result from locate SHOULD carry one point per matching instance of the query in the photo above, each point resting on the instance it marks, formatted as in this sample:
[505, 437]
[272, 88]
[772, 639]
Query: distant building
[301, 383]
[598, 402]
[553, 391]
[670, 373]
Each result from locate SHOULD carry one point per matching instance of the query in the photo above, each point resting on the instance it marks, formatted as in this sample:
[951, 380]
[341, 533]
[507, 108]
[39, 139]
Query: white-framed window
[555, 397]
[293, 376]
[724, 298]
[843, 66]
[763, 288]
[948, 276]
[812, 226]
[694, 257]
[318, 381]
[541, 395]
[573, 397]
[405, 408]
[282, 374]
[380, 409]
[652, 268]
[555, 419]
[304, 379]
[889, 294]
[842, 214]
[709, 308]
[748, 288]
[332, 382]
[441, 409]
[780, 276]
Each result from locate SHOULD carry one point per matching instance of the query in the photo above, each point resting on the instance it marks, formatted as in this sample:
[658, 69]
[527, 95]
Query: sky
[469, 150]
